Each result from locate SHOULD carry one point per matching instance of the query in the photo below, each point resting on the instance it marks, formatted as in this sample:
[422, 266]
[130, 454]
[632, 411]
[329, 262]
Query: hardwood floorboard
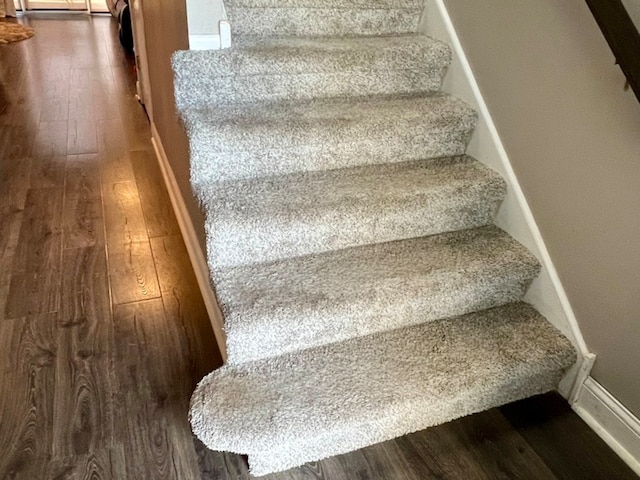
[84, 401]
[15, 180]
[131, 266]
[82, 137]
[500, 451]
[438, 454]
[27, 356]
[22, 112]
[132, 273]
[563, 441]
[155, 388]
[14, 185]
[51, 139]
[33, 293]
[55, 109]
[105, 109]
[47, 171]
[10, 221]
[156, 204]
[39, 244]
[184, 305]
[82, 103]
[115, 162]
[104, 464]
[136, 124]
[54, 72]
[35, 274]
[82, 211]
[16, 144]
[384, 460]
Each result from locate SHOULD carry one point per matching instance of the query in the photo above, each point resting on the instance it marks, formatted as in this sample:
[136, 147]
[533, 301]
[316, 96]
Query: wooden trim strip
[621, 35]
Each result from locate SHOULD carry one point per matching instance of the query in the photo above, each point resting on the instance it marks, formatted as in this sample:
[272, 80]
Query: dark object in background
[120, 10]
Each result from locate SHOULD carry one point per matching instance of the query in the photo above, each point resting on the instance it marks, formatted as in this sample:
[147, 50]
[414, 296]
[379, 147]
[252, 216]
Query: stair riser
[294, 69]
[322, 21]
[233, 244]
[381, 308]
[259, 155]
[246, 89]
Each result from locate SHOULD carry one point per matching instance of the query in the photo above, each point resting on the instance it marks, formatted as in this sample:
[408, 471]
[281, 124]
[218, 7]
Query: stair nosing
[527, 321]
[279, 297]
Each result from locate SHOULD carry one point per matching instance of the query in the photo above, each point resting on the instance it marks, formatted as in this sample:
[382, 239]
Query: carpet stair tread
[273, 68]
[323, 17]
[364, 290]
[291, 409]
[267, 139]
[322, 4]
[299, 214]
[303, 302]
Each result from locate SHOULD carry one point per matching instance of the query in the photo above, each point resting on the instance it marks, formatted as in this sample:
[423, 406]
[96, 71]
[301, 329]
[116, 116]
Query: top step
[323, 17]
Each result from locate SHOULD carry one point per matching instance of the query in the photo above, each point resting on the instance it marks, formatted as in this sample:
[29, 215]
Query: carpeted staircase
[365, 291]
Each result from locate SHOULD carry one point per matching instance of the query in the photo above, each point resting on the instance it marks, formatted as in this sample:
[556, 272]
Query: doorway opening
[70, 5]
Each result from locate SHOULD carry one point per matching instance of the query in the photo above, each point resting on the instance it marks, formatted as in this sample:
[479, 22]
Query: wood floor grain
[27, 354]
[153, 391]
[547, 426]
[156, 207]
[83, 216]
[84, 393]
[35, 274]
[131, 267]
[103, 331]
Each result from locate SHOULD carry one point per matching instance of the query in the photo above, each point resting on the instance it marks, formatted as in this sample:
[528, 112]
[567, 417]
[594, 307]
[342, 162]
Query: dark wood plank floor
[103, 333]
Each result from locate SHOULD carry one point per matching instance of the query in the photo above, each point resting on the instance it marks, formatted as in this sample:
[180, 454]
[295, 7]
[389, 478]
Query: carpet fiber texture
[14, 32]
[365, 291]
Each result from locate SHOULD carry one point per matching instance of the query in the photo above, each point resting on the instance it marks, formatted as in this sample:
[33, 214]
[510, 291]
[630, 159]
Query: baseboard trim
[196, 255]
[515, 217]
[611, 420]
[204, 42]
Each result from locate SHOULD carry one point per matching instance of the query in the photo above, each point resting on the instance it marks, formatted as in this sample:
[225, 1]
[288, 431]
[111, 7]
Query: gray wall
[573, 137]
[165, 25]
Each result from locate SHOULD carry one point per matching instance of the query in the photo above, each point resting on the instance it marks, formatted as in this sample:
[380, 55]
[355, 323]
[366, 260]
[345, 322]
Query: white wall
[203, 16]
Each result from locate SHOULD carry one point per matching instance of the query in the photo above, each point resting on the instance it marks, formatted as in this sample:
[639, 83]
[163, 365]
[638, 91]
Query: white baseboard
[546, 293]
[204, 42]
[616, 425]
[191, 241]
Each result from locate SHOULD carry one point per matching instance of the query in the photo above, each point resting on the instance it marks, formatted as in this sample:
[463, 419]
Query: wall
[633, 7]
[165, 32]
[203, 16]
[573, 137]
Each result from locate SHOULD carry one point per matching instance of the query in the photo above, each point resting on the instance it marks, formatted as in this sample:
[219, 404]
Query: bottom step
[305, 406]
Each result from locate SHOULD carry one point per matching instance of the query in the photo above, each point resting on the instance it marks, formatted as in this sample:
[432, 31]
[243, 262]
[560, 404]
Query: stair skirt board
[365, 291]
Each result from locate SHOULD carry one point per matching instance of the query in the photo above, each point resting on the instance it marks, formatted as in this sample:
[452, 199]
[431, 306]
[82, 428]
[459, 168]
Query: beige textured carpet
[14, 32]
[365, 292]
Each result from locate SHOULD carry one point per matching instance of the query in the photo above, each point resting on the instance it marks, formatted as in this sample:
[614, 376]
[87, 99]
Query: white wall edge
[196, 255]
[515, 216]
[611, 420]
[204, 42]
